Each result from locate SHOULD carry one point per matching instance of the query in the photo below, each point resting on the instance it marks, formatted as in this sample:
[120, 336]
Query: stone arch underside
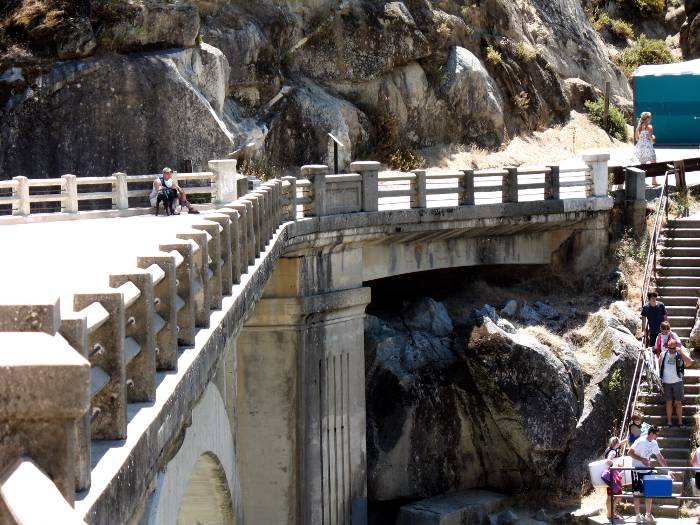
[200, 485]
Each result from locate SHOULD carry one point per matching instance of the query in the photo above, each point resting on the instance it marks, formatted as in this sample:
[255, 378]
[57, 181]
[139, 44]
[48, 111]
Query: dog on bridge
[166, 196]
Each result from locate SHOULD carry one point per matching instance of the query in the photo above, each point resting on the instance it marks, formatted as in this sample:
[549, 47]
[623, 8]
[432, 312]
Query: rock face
[360, 69]
[131, 113]
[477, 406]
[690, 31]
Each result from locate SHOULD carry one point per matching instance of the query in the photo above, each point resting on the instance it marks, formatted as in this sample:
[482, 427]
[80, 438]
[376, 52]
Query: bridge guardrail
[20, 193]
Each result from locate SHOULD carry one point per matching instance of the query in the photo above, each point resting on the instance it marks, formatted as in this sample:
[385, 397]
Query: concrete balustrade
[140, 336]
[105, 326]
[213, 231]
[161, 267]
[187, 285]
[44, 390]
[598, 168]
[236, 247]
[73, 328]
[225, 249]
[225, 180]
[203, 275]
[245, 249]
[70, 202]
[316, 192]
[290, 198]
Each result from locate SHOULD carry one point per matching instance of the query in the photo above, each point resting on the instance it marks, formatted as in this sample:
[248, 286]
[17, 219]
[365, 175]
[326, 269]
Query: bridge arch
[201, 483]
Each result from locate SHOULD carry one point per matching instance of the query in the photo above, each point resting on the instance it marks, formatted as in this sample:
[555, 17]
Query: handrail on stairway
[649, 272]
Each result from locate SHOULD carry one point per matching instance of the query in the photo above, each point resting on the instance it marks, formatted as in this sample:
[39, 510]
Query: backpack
[680, 365]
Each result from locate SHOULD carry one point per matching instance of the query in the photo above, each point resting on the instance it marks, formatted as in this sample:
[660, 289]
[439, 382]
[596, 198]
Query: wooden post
[606, 109]
[679, 165]
[551, 183]
[510, 185]
[465, 197]
[419, 197]
[22, 195]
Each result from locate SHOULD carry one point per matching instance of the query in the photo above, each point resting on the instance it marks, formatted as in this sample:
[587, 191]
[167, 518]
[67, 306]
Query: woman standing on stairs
[644, 138]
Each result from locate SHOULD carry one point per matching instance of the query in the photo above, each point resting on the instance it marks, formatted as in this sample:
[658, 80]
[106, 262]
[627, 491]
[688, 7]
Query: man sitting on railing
[166, 181]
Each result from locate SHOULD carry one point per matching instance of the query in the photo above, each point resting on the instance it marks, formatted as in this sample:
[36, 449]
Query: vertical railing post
[419, 196]
[510, 184]
[224, 180]
[465, 183]
[369, 170]
[70, 202]
[22, 195]
[551, 183]
[598, 167]
[316, 173]
[120, 192]
[292, 198]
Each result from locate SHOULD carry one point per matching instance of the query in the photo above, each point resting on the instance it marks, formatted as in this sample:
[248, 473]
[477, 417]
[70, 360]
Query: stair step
[690, 271]
[681, 232]
[647, 398]
[660, 409]
[681, 321]
[681, 311]
[683, 222]
[680, 242]
[681, 251]
[678, 291]
[679, 261]
[677, 300]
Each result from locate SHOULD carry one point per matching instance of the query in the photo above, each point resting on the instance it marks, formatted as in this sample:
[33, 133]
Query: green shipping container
[672, 93]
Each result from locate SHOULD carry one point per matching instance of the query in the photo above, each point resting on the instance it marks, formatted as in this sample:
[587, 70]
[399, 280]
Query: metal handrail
[649, 271]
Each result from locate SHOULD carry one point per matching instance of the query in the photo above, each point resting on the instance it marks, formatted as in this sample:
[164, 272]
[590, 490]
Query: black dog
[167, 197]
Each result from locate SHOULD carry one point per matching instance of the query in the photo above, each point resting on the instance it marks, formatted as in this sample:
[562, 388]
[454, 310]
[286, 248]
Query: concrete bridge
[210, 369]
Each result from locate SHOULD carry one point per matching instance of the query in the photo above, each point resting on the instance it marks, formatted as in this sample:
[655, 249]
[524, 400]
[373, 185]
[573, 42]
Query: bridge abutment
[301, 394]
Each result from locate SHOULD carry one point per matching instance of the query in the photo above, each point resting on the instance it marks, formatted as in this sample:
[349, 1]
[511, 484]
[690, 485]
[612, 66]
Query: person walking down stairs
[672, 363]
[641, 452]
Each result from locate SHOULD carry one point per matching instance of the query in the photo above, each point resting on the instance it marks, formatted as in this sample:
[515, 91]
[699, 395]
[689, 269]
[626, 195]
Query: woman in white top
[644, 141]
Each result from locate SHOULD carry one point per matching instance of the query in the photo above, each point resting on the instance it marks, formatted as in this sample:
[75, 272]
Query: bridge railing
[319, 193]
[64, 194]
[67, 374]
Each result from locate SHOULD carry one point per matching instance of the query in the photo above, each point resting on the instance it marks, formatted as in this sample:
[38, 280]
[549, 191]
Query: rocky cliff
[454, 405]
[95, 86]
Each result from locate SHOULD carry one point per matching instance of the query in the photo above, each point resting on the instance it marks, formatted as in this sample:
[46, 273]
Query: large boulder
[690, 31]
[472, 93]
[482, 407]
[299, 131]
[118, 113]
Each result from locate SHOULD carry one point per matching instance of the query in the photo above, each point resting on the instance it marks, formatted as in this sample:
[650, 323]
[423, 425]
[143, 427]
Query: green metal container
[672, 93]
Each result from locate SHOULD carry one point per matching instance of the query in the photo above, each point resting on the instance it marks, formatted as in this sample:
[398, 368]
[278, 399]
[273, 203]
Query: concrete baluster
[277, 202]
[551, 183]
[635, 200]
[465, 185]
[215, 263]
[44, 391]
[268, 190]
[255, 202]
[74, 330]
[22, 196]
[187, 285]
[106, 347]
[225, 247]
[250, 230]
[370, 183]
[510, 184]
[203, 274]
[225, 178]
[235, 243]
[140, 336]
[165, 306]
[316, 173]
[598, 167]
[243, 223]
[291, 198]
[261, 194]
[70, 199]
[419, 196]
[120, 192]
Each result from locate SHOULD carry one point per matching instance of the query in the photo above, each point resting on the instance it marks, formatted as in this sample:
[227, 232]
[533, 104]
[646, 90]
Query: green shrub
[493, 56]
[621, 28]
[617, 126]
[599, 20]
[405, 159]
[261, 168]
[644, 51]
[615, 381]
[650, 7]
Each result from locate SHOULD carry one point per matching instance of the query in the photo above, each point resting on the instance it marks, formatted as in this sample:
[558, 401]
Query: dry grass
[550, 146]
[546, 337]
